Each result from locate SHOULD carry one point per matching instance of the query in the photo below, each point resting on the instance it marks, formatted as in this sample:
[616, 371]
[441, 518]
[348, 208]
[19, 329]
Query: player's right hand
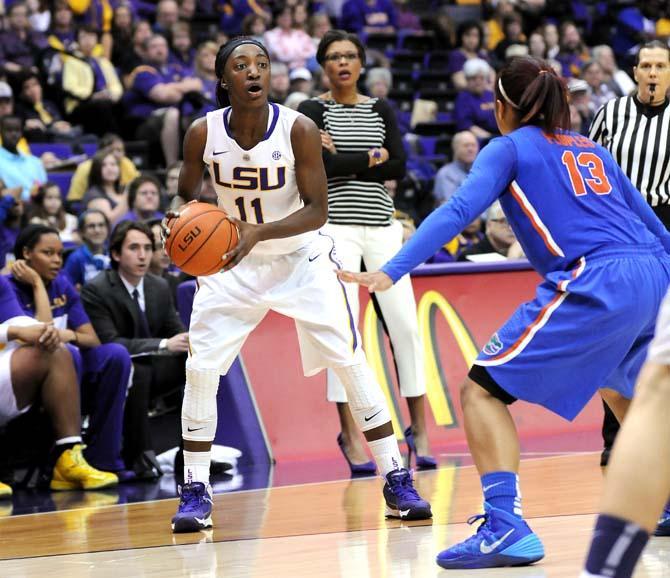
[248, 235]
[375, 281]
[43, 335]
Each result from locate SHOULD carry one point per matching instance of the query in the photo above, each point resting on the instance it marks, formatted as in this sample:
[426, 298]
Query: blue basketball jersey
[564, 196]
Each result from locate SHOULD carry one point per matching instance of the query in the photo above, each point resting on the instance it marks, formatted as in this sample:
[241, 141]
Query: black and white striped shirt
[356, 193]
[637, 136]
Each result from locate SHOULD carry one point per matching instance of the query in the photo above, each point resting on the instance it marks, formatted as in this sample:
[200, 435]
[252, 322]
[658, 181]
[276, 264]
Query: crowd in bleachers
[95, 96]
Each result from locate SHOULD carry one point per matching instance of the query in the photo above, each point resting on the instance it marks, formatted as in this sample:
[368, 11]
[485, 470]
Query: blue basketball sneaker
[663, 527]
[402, 500]
[501, 540]
[195, 508]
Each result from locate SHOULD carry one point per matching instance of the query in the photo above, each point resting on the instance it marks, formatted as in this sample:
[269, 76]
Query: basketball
[199, 238]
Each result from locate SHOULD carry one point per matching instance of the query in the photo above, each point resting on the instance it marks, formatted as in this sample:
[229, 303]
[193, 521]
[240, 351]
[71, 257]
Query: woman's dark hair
[338, 36]
[248, 23]
[465, 27]
[38, 209]
[530, 86]
[30, 236]
[120, 233]
[81, 220]
[137, 183]
[95, 176]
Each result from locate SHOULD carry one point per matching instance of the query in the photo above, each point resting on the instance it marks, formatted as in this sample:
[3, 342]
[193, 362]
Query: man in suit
[132, 307]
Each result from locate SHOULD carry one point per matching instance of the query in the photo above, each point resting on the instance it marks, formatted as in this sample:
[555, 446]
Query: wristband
[377, 155]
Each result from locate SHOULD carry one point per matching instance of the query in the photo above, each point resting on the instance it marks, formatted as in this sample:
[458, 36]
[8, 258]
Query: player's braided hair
[532, 88]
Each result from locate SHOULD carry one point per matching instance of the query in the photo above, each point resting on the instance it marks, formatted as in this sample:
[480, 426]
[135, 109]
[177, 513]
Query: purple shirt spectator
[133, 216]
[9, 306]
[475, 110]
[21, 51]
[458, 58]
[359, 15]
[137, 101]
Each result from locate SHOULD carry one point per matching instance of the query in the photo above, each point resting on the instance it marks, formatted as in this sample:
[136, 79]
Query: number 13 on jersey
[596, 180]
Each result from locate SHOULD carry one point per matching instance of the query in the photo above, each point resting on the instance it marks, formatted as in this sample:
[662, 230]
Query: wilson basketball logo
[191, 236]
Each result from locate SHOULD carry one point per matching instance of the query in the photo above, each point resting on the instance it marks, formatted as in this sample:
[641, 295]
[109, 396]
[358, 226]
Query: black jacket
[115, 318]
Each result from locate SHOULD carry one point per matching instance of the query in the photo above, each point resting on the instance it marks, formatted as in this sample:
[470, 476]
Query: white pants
[8, 407]
[301, 285]
[376, 245]
[659, 348]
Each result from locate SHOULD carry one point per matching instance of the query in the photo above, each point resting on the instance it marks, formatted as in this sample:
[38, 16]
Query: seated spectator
[36, 369]
[469, 41]
[160, 262]
[369, 16]
[85, 262]
[18, 169]
[286, 44]
[406, 16]
[300, 80]
[172, 182]
[294, 99]
[574, 53]
[167, 15]
[129, 306]
[580, 99]
[279, 82]
[105, 192]
[7, 109]
[319, 24]
[255, 26]
[592, 73]
[41, 118]
[187, 10]
[205, 61]
[537, 47]
[47, 209]
[19, 45]
[103, 371]
[62, 35]
[378, 84]
[300, 16]
[182, 52]
[552, 40]
[498, 237]
[92, 87]
[132, 55]
[469, 237]
[123, 24]
[144, 199]
[11, 217]
[512, 34]
[635, 25]
[474, 106]
[80, 180]
[615, 78]
[153, 99]
[447, 180]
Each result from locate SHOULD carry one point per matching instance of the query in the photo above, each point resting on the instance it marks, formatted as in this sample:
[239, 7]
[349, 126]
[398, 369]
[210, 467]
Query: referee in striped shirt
[636, 130]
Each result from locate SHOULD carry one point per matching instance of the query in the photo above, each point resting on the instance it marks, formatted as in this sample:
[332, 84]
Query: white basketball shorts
[301, 285]
[659, 348]
[8, 407]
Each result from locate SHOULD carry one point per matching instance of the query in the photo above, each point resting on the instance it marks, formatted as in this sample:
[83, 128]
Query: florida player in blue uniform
[603, 255]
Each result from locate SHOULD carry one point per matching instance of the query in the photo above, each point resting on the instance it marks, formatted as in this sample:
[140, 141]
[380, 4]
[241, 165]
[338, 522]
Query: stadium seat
[90, 148]
[403, 80]
[405, 60]
[385, 43]
[430, 80]
[403, 98]
[62, 180]
[416, 41]
[435, 128]
[437, 60]
[62, 150]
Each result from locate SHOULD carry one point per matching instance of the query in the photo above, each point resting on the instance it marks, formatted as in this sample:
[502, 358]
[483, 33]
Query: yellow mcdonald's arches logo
[437, 392]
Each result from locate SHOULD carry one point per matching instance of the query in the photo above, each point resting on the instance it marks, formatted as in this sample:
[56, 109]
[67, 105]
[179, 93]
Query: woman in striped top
[362, 148]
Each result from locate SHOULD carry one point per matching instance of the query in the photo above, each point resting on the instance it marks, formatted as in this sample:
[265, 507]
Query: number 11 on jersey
[255, 205]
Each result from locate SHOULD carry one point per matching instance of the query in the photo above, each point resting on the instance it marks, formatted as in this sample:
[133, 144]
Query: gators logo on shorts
[493, 346]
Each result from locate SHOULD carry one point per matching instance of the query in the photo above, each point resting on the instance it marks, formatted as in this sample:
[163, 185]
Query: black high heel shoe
[421, 462]
[357, 470]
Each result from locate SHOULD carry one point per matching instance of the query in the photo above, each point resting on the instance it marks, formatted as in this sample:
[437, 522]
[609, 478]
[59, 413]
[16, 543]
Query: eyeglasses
[336, 56]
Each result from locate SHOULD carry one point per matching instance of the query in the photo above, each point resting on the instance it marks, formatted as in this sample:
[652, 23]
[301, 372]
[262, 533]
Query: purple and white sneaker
[402, 500]
[195, 508]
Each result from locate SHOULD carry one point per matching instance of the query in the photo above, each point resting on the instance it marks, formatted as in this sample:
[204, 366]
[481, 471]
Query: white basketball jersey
[256, 185]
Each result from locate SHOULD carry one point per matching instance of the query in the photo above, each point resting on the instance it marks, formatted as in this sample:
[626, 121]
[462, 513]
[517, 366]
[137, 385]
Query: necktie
[144, 324]
[45, 117]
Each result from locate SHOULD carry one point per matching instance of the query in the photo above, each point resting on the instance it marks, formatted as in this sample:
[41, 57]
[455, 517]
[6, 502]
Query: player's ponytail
[532, 88]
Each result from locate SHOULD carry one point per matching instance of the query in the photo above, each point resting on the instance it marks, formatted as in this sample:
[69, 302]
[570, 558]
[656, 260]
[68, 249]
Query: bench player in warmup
[266, 166]
[604, 258]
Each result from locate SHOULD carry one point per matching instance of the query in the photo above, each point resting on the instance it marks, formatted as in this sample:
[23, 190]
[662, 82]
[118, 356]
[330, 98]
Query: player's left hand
[24, 273]
[375, 281]
[249, 234]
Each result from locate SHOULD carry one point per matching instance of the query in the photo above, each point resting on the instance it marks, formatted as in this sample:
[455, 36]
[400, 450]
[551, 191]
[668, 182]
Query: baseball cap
[5, 90]
[578, 85]
[300, 73]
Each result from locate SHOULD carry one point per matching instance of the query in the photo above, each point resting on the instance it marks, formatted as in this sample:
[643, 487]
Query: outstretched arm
[312, 187]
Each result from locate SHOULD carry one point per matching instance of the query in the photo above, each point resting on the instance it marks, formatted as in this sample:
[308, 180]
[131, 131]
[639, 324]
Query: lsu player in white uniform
[266, 166]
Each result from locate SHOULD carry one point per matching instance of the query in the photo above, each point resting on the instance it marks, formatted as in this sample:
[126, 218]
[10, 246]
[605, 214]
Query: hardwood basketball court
[327, 529]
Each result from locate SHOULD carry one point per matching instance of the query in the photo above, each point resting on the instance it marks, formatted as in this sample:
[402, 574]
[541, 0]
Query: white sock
[196, 467]
[68, 440]
[387, 454]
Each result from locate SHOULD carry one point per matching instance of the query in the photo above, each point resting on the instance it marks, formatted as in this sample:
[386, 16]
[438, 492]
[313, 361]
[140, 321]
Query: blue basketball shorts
[586, 329]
